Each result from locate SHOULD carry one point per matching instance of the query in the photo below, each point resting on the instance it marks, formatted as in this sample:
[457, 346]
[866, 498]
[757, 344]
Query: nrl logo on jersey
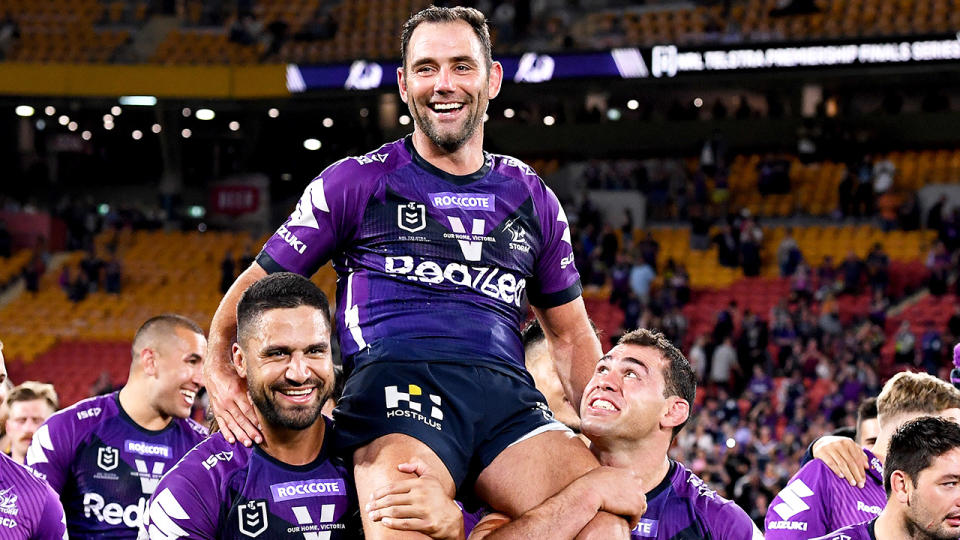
[108, 458]
[412, 217]
[253, 518]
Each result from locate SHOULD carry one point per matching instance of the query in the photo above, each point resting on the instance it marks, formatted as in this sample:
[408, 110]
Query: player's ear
[148, 361]
[900, 486]
[239, 362]
[678, 410]
[402, 83]
[494, 80]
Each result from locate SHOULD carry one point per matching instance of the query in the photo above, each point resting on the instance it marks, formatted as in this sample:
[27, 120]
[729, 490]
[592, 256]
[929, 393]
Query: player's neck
[140, 410]
[20, 458]
[891, 525]
[467, 159]
[293, 446]
[646, 458]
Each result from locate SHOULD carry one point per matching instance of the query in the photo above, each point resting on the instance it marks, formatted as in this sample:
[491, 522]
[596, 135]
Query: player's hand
[617, 491]
[605, 527]
[418, 504]
[844, 457]
[231, 404]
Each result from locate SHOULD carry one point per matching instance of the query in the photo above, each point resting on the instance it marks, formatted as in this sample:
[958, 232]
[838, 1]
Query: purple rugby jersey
[683, 507]
[29, 509]
[430, 265]
[860, 531]
[817, 501]
[227, 491]
[104, 465]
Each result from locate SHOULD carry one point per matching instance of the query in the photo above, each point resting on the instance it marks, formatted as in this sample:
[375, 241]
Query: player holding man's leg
[435, 243]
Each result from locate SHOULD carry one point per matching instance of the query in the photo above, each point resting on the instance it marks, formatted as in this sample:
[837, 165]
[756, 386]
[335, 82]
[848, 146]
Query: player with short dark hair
[105, 455]
[29, 509]
[437, 245]
[291, 481]
[922, 481]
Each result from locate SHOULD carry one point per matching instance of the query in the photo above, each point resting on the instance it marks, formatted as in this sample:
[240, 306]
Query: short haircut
[908, 392]
[31, 390]
[679, 376]
[916, 444]
[433, 14]
[866, 411]
[166, 321]
[283, 290]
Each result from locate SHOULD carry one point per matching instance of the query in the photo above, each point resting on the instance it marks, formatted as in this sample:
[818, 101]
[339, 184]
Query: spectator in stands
[938, 264]
[845, 195]
[641, 277]
[79, 287]
[91, 266]
[728, 247]
[878, 268]
[246, 30]
[619, 280]
[909, 213]
[29, 404]
[698, 358]
[953, 325]
[751, 238]
[936, 212]
[884, 172]
[852, 269]
[878, 309]
[699, 228]
[905, 344]
[323, 26]
[33, 271]
[753, 340]
[801, 284]
[103, 384]
[931, 349]
[9, 34]
[678, 283]
[788, 254]
[724, 364]
[112, 275]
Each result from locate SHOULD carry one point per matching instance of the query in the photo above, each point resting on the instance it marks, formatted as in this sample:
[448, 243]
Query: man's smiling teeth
[303, 392]
[603, 404]
[189, 395]
[446, 106]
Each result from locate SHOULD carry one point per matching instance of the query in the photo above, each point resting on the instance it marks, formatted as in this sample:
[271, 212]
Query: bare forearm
[560, 517]
[223, 326]
[575, 363]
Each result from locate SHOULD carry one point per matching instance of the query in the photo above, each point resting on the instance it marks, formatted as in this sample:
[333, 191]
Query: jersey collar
[667, 479]
[460, 180]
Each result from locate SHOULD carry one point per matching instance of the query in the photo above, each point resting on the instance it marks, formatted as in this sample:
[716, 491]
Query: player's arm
[53, 522]
[228, 392]
[844, 457]
[417, 504]
[181, 507]
[573, 345]
[563, 516]
[733, 523]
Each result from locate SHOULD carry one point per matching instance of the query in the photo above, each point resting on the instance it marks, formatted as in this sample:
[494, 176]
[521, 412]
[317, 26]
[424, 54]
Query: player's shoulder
[87, 414]
[514, 168]
[193, 428]
[15, 474]
[210, 462]
[368, 167]
[705, 501]
[859, 531]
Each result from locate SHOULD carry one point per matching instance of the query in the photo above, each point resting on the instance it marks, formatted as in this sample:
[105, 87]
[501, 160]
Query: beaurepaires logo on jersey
[412, 217]
[253, 518]
[108, 458]
[413, 409]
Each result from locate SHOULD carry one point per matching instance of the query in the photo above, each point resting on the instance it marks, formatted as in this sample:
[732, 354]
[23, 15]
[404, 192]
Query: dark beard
[450, 143]
[298, 419]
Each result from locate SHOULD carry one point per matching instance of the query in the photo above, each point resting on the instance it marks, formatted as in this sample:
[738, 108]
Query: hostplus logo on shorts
[411, 407]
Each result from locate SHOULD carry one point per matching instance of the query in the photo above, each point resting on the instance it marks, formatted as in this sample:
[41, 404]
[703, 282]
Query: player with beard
[922, 480]
[437, 244]
[105, 455]
[290, 485]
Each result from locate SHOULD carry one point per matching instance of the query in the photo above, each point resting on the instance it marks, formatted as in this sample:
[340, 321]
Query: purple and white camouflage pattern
[29, 509]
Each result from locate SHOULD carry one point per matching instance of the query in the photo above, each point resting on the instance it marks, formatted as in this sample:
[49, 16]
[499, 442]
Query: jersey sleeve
[184, 505]
[733, 523]
[53, 522]
[799, 511]
[326, 217]
[556, 281]
[53, 448]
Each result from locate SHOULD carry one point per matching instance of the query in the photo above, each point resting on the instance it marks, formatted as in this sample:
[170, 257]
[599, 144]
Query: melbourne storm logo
[253, 518]
[108, 458]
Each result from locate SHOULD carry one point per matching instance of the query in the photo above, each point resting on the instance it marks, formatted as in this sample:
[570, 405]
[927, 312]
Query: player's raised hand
[231, 404]
[418, 504]
[844, 457]
[617, 491]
